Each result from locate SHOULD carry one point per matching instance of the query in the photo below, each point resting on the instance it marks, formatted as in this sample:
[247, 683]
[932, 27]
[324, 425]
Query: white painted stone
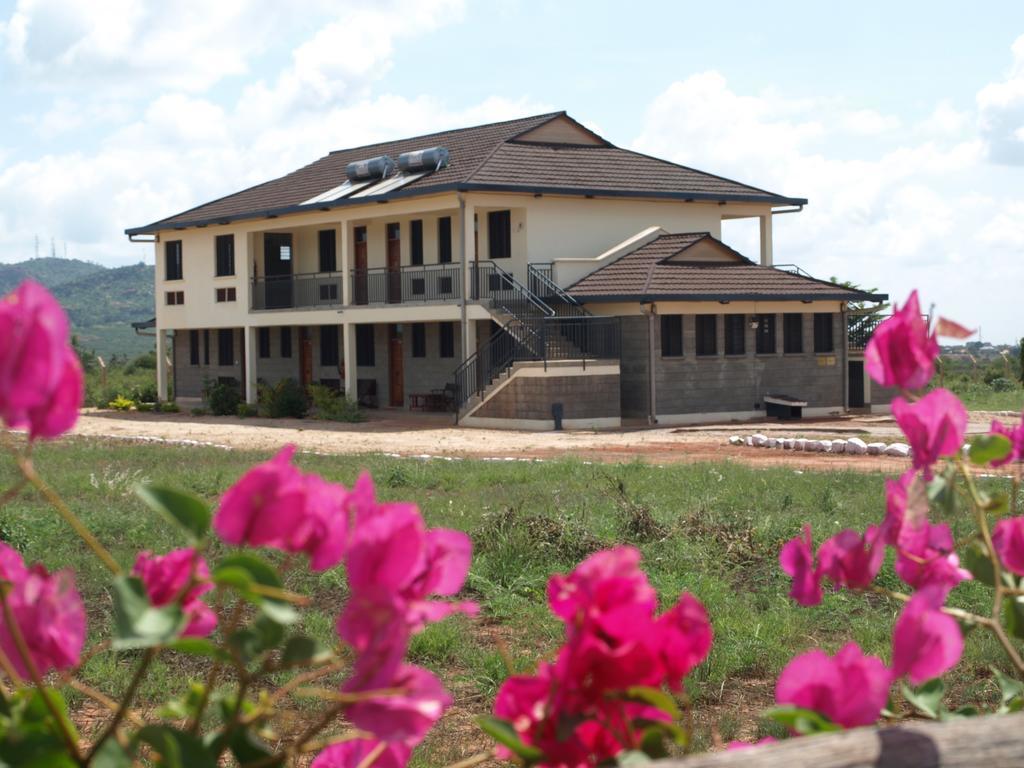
[760, 440]
[771, 443]
[839, 446]
[788, 443]
[799, 444]
[735, 440]
[750, 441]
[876, 449]
[856, 446]
[898, 449]
[813, 446]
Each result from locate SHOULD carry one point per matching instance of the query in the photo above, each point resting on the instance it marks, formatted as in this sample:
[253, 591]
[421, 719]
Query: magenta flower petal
[265, 506]
[354, 753]
[165, 578]
[851, 559]
[1015, 435]
[322, 529]
[797, 560]
[934, 425]
[1008, 540]
[605, 580]
[684, 637]
[404, 716]
[925, 557]
[926, 643]
[902, 351]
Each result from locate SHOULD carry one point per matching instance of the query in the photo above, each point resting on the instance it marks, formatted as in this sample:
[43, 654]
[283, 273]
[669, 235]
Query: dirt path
[407, 434]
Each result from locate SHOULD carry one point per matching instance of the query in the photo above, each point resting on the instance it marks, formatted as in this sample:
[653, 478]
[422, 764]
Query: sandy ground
[407, 434]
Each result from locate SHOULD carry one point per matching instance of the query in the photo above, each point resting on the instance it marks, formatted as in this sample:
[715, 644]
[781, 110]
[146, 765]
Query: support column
[161, 365]
[345, 233]
[468, 339]
[467, 252]
[348, 351]
[766, 239]
[250, 341]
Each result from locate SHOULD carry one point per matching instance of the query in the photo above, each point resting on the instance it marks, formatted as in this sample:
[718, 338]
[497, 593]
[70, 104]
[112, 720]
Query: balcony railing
[859, 329]
[436, 282]
[306, 291]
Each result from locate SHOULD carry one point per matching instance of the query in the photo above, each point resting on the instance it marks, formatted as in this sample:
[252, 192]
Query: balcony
[859, 329]
[323, 290]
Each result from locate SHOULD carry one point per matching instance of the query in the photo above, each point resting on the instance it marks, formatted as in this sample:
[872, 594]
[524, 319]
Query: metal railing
[319, 289]
[550, 339]
[542, 284]
[859, 329]
[489, 281]
[410, 284]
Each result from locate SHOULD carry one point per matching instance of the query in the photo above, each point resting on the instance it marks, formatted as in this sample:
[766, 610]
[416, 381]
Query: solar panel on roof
[389, 185]
[338, 192]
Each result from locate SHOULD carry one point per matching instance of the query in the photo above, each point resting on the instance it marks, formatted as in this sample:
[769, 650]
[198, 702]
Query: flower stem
[126, 700]
[25, 464]
[215, 670]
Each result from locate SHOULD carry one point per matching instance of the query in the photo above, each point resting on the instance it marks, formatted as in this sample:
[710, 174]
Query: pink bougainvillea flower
[683, 638]
[849, 688]
[49, 613]
[951, 329]
[40, 376]
[322, 529]
[925, 557]
[1008, 540]
[166, 578]
[607, 581]
[797, 560]
[356, 752]
[852, 559]
[412, 700]
[902, 351]
[266, 506]
[926, 643]
[1015, 435]
[906, 503]
[934, 425]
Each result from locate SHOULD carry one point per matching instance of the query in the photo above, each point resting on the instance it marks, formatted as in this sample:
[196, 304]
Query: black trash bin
[557, 411]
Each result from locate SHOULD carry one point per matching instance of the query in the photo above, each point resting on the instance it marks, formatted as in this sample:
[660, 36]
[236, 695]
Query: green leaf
[190, 512]
[1012, 692]
[976, 560]
[802, 721]
[503, 733]
[989, 448]
[942, 491]
[1013, 615]
[36, 749]
[656, 698]
[111, 755]
[301, 650]
[199, 646]
[247, 747]
[927, 698]
[632, 758]
[262, 635]
[241, 572]
[139, 624]
[176, 748]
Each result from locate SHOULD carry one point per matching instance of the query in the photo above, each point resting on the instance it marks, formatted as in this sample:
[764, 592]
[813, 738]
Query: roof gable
[561, 129]
[706, 250]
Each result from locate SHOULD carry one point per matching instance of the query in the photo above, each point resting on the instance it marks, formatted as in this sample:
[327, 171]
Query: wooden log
[975, 742]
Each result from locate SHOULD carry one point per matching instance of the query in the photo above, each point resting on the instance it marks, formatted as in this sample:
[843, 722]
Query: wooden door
[394, 264]
[361, 295]
[856, 386]
[277, 269]
[305, 357]
[396, 372]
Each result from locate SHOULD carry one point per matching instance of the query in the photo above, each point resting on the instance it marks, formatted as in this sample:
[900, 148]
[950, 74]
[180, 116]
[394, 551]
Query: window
[735, 334]
[419, 340]
[706, 328]
[671, 335]
[226, 346]
[364, 346]
[193, 347]
[765, 334]
[328, 345]
[823, 341]
[792, 333]
[286, 341]
[172, 259]
[225, 294]
[225, 255]
[206, 346]
[447, 334]
[499, 234]
[264, 341]
[444, 240]
[416, 242]
[329, 292]
[175, 298]
[328, 250]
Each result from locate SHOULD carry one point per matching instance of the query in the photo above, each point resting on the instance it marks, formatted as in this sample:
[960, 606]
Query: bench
[784, 407]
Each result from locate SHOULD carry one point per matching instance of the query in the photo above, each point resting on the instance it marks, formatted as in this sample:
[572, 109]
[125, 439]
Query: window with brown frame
[175, 298]
[226, 294]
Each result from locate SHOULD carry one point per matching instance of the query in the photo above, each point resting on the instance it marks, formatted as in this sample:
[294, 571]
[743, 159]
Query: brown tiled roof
[644, 274]
[485, 157]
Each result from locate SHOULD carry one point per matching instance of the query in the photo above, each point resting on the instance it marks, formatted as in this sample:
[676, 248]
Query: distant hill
[101, 302]
[51, 272]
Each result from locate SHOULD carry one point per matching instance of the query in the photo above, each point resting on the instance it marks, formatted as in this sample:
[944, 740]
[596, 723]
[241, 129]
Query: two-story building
[512, 272]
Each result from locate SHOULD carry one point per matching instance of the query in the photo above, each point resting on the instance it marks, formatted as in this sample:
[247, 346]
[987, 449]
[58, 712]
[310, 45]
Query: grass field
[714, 530]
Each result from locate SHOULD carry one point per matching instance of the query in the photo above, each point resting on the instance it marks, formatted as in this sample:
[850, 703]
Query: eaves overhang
[727, 297]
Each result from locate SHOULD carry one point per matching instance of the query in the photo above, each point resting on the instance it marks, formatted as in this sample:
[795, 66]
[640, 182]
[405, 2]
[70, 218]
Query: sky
[901, 122]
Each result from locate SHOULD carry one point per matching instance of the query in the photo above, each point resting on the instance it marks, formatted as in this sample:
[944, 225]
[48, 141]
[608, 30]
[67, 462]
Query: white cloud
[1001, 112]
[868, 122]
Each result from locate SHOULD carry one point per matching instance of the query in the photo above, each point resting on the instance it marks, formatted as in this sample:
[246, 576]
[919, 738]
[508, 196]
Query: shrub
[223, 397]
[333, 405]
[245, 410]
[146, 407]
[199, 411]
[283, 400]
[168, 407]
[121, 403]
[1002, 384]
